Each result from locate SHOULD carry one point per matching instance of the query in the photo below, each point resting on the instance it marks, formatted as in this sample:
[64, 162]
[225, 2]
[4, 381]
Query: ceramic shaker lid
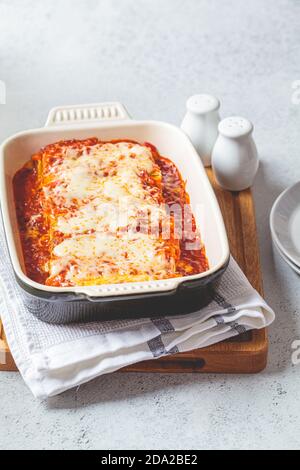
[202, 104]
[235, 127]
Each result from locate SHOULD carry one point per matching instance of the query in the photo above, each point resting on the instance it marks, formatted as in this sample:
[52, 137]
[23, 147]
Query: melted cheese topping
[96, 256]
[92, 212]
[101, 200]
[109, 171]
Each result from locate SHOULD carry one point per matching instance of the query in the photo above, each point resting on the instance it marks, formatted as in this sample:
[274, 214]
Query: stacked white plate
[285, 226]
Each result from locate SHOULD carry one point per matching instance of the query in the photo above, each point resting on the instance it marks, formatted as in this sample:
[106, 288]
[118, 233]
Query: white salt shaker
[201, 124]
[234, 156]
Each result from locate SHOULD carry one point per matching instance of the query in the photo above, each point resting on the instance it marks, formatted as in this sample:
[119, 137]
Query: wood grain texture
[244, 354]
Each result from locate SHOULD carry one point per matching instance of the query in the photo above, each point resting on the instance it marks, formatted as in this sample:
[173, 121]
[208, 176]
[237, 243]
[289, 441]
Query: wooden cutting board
[244, 354]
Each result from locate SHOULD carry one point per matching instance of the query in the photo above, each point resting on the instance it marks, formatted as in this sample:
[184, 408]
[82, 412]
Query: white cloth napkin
[54, 358]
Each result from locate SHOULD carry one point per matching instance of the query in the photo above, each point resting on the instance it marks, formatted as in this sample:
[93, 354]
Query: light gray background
[151, 55]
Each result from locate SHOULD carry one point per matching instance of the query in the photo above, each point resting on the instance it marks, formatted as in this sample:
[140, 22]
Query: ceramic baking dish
[179, 295]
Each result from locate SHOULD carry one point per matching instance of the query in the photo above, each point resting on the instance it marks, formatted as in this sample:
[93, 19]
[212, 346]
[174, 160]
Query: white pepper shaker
[201, 124]
[234, 156]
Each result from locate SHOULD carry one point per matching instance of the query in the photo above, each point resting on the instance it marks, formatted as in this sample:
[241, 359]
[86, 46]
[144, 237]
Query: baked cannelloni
[93, 212]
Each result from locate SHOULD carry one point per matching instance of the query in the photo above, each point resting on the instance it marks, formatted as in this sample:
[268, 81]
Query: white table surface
[151, 55]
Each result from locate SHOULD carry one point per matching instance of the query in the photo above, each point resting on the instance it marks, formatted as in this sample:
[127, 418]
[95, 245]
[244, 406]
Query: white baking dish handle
[86, 114]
